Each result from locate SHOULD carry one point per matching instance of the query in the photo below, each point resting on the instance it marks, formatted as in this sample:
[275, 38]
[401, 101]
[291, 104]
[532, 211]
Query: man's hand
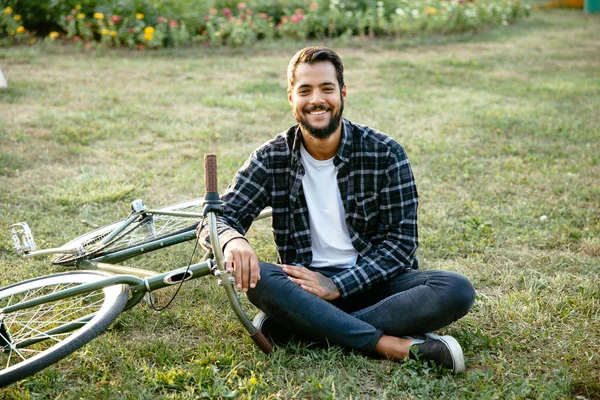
[313, 282]
[241, 258]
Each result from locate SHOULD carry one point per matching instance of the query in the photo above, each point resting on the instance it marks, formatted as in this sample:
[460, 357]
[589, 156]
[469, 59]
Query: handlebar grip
[210, 173]
[262, 342]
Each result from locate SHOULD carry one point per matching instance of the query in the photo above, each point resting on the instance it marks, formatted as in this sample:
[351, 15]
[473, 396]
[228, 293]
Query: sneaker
[443, 350]
[274, 332]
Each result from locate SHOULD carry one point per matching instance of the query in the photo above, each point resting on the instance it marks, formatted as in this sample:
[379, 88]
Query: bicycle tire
[165, 226]
[85, 316]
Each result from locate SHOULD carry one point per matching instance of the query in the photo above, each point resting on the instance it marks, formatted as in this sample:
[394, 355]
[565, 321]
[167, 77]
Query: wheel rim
[29, 334]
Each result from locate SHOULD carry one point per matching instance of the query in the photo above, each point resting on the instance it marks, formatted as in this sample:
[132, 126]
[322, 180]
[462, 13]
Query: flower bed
[243, 25]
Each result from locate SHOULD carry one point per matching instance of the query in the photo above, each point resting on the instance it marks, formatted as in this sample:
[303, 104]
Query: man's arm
[398, 201]
[244, 199]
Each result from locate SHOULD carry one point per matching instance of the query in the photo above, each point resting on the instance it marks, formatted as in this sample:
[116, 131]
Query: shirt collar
[343, 153]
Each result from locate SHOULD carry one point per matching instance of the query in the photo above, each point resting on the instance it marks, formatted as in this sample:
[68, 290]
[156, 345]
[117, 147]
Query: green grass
[501, 128]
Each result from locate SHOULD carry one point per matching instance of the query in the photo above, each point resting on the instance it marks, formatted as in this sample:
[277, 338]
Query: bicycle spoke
[35, 323]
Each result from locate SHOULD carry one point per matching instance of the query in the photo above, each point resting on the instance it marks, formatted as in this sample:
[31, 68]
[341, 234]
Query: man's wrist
[229, 237]
[338, 287]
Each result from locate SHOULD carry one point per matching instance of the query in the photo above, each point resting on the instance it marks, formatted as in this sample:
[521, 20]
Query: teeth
[317, 112]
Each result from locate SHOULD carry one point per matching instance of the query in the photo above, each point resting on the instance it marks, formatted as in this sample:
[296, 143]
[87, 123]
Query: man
[345, 224]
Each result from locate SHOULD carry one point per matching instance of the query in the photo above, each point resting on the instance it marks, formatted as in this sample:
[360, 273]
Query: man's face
[316, 100]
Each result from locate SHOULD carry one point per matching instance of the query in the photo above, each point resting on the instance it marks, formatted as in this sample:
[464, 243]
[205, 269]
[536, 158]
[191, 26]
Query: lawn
[503, 133]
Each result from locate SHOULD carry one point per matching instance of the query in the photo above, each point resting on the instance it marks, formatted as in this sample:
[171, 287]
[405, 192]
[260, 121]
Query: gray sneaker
[442, 350]
[274, 332]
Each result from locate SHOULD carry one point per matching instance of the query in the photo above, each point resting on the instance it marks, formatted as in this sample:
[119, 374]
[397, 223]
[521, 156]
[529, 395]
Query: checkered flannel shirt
[378, 193]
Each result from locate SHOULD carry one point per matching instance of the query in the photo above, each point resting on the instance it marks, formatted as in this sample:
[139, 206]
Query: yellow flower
[78, 7]
[253, 381]
[8, 10]
[98, 15]
[113, 33]
[17, 17]
[148, 33]
[54, 34]
[80, 16]
[432, 10]
[21, 29]
[139, 16]
[104, 31]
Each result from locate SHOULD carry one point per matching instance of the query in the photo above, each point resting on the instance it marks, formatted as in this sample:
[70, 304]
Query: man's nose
[317, 97]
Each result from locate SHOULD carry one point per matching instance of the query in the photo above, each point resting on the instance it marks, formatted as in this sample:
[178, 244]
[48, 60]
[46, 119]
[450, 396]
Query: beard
[320, 133]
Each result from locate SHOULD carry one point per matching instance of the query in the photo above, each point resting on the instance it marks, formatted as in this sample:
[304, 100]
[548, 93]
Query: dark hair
[314, 54]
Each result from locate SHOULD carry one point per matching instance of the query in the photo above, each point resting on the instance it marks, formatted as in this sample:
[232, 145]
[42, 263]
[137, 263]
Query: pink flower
[227, 12]
[313, 6]
[263, 15]
[115, 18]
[241, 6]
[88, 45]
[161, 20]
[76, 39]
[249, 12]
[296, 18]
[207, 17]
[284, 19]
[140, 47]
[73, 11]
[212, 11]
[173, 23]
[299, 11]
[70, 18]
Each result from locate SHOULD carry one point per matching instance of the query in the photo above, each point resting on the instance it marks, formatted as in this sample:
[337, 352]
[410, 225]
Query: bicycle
[44, 319]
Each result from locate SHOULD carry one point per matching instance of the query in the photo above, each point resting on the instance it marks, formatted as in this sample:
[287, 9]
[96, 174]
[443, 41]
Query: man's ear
[289, 92]
[343, 92]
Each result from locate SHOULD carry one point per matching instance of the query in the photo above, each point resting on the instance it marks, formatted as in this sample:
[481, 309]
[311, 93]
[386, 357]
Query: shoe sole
[259, 320]
[455, 351]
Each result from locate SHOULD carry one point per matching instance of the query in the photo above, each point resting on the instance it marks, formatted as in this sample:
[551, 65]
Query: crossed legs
[373, 321]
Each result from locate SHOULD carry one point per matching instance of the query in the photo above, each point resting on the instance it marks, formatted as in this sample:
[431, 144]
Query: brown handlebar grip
[210, 173]
[262, 342]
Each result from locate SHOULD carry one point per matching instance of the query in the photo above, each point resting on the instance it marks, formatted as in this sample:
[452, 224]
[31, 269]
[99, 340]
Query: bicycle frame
[136, 250]
[140, 282]
[126, 286]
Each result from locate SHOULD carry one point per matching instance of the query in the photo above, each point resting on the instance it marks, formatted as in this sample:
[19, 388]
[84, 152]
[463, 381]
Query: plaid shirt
[378, 193]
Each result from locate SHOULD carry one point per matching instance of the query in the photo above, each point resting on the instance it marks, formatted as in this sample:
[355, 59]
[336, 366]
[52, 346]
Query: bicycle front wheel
[144, 231]
[36, 337]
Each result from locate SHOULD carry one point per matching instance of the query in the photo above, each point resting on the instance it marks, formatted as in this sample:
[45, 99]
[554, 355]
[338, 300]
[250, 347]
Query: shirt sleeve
[398, 202]
[245, 197]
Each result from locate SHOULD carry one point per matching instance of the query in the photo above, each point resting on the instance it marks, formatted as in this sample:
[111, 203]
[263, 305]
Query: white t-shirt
[331, 244]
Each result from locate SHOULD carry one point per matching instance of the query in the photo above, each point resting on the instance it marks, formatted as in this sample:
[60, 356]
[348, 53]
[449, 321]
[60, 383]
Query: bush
[153, 23]
[12, 30]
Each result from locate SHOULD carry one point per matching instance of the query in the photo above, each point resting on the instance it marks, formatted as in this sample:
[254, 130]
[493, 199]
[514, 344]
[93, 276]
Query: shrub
[153, 23]
[12, 30]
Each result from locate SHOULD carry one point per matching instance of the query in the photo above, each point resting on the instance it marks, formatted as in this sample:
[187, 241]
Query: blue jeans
[413, 302]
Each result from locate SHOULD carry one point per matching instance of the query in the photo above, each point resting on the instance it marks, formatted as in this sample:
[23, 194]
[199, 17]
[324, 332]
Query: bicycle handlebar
[213, 206]
[210, 173]
[212, 202]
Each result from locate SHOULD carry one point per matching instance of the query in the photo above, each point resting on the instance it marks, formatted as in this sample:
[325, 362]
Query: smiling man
[344, 220]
